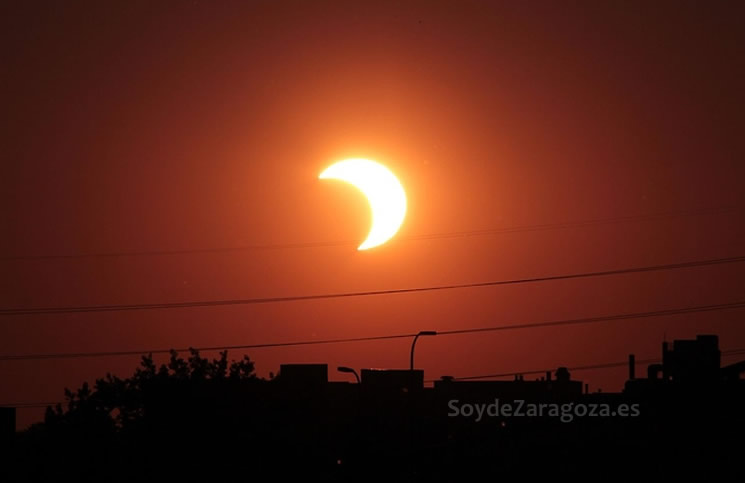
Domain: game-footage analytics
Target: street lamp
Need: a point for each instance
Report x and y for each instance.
(413, 344)
(349, 370)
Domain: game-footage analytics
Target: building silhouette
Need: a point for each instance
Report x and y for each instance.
(7, 424)
(392, 426)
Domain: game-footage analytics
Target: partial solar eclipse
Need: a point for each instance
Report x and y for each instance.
(383, 191)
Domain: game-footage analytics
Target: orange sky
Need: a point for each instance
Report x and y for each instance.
(180, 125)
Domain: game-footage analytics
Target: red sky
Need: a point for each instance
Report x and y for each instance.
(140, 126)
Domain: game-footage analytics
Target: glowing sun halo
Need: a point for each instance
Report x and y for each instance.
(383, 191)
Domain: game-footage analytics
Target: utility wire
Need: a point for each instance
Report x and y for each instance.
(76, 355)
(426, 236)
(30, 405)
(605, 318)
(533, 325)
(575, 224)
(605, 365)
(294, 298)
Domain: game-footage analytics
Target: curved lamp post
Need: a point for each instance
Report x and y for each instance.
(413, 344)
(349, 370)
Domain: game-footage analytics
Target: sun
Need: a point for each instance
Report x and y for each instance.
(383, 191)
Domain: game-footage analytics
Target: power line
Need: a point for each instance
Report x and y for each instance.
(607, 365)
(426, 236)
(533, 325)
(606, 318)
(75, 355)
(295, 298)
(30, 405)
(577, 224)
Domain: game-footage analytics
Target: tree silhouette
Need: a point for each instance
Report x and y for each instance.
(116, 404)
(154, 421)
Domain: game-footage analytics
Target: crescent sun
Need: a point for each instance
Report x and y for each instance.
(383, 191)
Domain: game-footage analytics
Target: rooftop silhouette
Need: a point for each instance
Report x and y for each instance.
(196, 416)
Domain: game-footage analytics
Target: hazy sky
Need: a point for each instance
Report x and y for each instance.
(156, 126)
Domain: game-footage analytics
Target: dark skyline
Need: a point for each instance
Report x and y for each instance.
(194, 416)
(533, 140)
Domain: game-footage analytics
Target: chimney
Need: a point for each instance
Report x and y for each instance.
(632, 367)
(548, 376)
